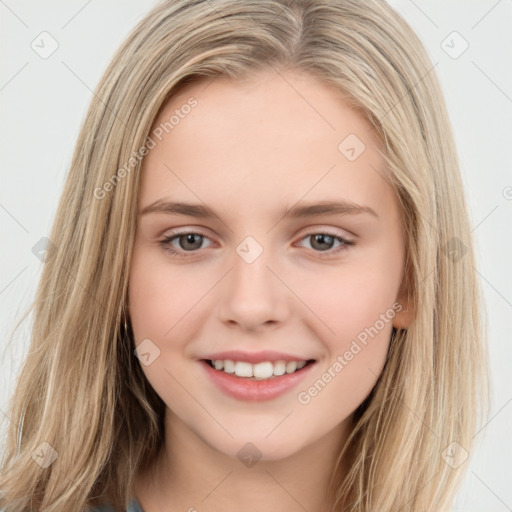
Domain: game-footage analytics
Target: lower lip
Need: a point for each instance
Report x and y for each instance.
(248, 390)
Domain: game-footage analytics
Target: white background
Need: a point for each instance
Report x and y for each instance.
(43, 103)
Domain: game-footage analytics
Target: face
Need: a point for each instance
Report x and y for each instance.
(266, 274)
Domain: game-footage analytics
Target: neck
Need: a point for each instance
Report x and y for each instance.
(191, 475)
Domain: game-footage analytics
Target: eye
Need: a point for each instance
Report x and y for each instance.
(188, 241)
(324, 242)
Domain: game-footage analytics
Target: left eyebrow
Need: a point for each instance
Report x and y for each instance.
(328, 207)
(295, 212)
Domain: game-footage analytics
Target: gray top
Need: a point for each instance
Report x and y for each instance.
(132, 507)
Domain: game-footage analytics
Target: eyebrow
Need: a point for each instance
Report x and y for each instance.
(295, 212)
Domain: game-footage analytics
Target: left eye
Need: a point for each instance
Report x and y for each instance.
(325, 241)
(192, 241)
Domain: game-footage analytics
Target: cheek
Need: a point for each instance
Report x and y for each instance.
(355, 357)
(354, 308)
(161, 300)
(161, 297)
(350, 298)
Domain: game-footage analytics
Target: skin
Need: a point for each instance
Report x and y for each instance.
(249, 151)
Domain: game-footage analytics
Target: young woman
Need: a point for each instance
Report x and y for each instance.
(259, 292)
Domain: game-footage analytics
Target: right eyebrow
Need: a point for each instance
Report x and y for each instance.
(179, 208)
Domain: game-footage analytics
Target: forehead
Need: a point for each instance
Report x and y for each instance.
(292, 104)
(272, 135)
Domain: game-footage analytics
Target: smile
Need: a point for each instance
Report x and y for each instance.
(258, 382)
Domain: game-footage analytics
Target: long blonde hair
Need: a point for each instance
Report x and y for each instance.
(82, 396)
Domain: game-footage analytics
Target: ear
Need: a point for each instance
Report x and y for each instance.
(404, 317)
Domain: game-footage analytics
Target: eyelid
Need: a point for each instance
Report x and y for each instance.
(331, 231)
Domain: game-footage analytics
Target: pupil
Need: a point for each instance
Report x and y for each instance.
(322, 239)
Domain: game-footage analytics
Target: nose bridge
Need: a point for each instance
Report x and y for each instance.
(251, 274)
(253, 295)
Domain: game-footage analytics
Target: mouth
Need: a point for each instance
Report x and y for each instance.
(257, 382)
(265, 370)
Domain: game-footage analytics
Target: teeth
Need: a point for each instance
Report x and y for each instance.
(263, 370)
(279, 368)
(243, 369)
(259, 371)
(291, 366)
(229, 366)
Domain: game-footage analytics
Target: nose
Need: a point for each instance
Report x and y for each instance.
(253, 296)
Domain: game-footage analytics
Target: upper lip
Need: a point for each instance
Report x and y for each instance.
(254, 357)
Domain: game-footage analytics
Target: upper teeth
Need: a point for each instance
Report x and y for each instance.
(259, 371)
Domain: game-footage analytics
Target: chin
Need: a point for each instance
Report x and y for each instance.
(253, 448)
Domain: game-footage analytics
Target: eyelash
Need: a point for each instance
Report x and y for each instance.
(165, 243)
